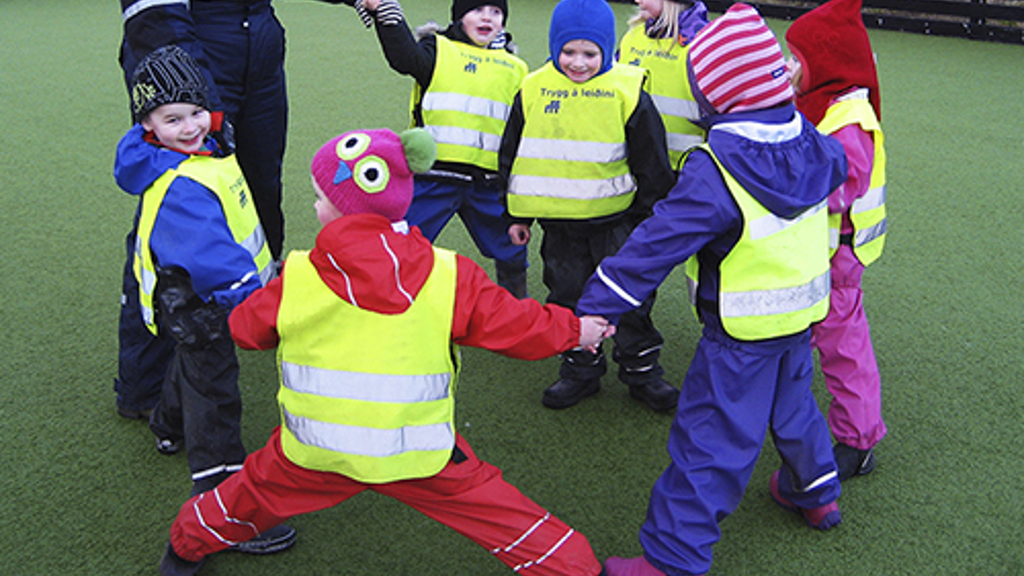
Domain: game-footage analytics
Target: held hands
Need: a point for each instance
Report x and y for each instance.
(594, 329)
(519, 234)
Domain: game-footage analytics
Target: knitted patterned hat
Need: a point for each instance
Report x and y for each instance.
(735, 64)
(460, 7)
(167, 75)
(371, 171)
(591, 20)
(836, 55)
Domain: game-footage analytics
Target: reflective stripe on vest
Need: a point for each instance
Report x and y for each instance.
(224, 179)
(572, 158)
(867, 213)
(374, 400)
(466, 106)
(775, 281)
(669, 86)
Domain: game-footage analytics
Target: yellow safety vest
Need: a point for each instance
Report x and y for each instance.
(775, 281)
(224, 179)
(572, 158)
(364, 394)
(466, 106)
(867, 213)
(668, 83)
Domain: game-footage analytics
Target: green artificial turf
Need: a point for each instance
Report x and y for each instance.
(84, 492)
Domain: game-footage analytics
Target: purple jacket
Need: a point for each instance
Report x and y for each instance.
(776, 155)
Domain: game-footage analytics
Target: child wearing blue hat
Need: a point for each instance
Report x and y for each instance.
(585, 155)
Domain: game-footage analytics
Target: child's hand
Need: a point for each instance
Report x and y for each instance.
(519, 234)
(370, 5)
(594, 329)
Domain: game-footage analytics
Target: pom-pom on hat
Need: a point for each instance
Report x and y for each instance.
(735, 64)
(167, 75)
(836, 56)
(371, 171)
(460, 7)
(591, 20)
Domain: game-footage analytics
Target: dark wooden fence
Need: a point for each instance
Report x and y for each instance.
(994, 20)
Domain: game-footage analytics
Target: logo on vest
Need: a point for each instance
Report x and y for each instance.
(553, 107)
(470, 67)
(238, 187)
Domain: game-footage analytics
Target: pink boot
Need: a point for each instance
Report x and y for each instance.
(638, 566)
(822, 517)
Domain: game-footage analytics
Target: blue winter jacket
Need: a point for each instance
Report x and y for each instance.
(190, 231)
(775, 154)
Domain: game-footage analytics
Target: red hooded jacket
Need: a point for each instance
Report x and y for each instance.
(375, 256)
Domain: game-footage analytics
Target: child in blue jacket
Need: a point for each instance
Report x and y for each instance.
(199, 251)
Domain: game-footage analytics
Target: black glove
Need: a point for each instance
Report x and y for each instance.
(192, 322)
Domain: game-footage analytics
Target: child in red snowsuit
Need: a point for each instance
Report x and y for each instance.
(367, 326)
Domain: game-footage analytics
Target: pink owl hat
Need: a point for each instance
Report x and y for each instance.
(371, 171)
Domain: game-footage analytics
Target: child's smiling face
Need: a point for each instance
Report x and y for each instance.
(181, 126)
(580, 60)
(483, 24)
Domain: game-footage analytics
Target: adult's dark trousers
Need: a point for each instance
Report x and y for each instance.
(201, 403)
(571, 252)
(245, 46)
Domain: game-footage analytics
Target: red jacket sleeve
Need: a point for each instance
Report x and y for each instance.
(254, 322)
(488, 316)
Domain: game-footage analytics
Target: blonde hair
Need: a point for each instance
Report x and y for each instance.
(667, 24)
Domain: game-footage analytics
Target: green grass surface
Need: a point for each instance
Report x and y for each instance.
(84, 492)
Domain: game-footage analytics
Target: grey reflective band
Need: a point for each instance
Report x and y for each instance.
(551, 187)
(760, 132)
(393, 388)
(141, 5)
(147, 283)
(572, 150)
(676, 107)
(874, 198)
(469, 104)
(771, 224)
(683, 142)
(779, 301)
(691, 288)
(465, 137)
(833, 238)
(254, 243)
(868, 234)
(363, 441)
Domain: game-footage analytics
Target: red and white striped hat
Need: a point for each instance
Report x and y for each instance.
(737, 65)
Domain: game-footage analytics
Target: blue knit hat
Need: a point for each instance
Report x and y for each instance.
(591, 20)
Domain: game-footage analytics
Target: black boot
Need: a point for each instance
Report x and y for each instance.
(173, 565)
(276, 539)
(659, 395)
(566, 392)
(853, 462)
